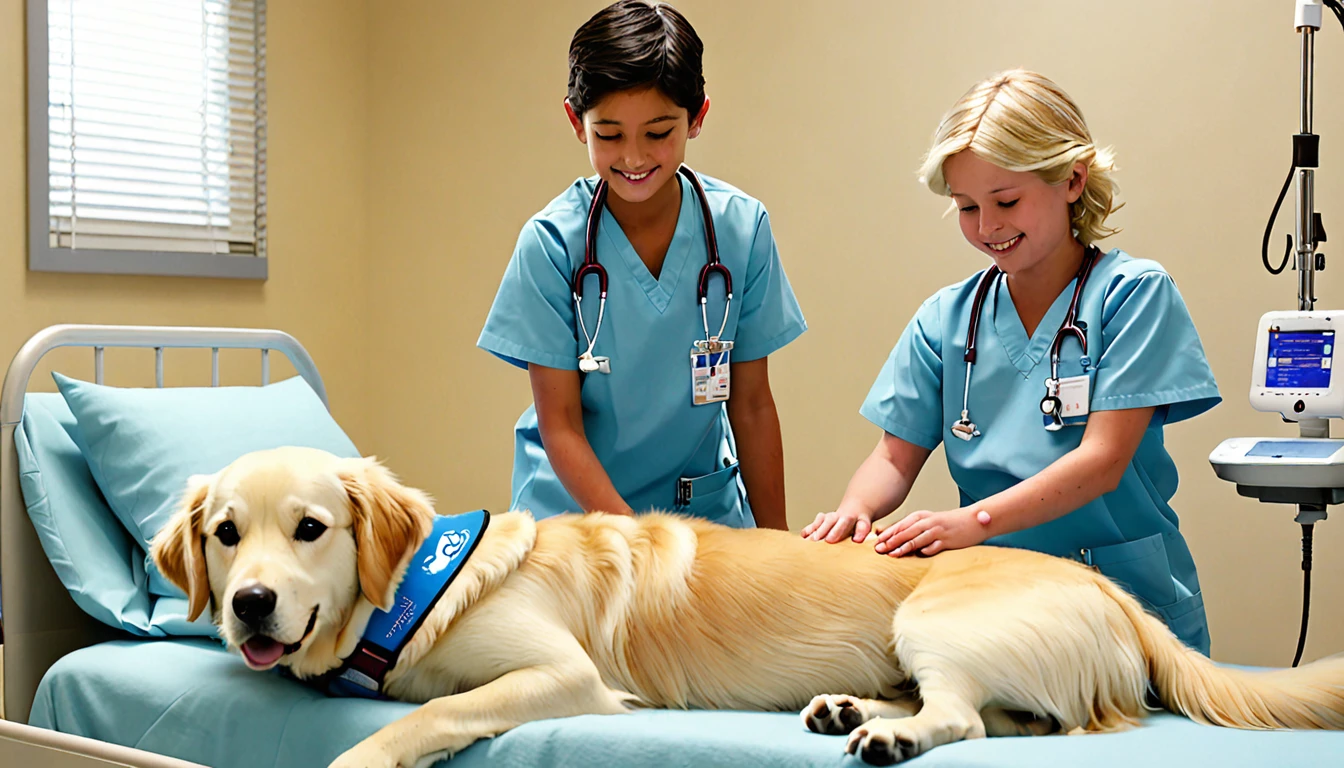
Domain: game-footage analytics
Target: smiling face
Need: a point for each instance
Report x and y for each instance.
(1014, 217)
(267, 534)
(636, 140)
(289, 544)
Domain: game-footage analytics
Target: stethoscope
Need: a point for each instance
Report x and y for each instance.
(1050, 404)
(587, 362)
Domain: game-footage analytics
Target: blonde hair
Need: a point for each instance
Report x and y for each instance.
(1022, 121)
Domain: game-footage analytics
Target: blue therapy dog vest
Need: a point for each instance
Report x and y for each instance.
(431, 569)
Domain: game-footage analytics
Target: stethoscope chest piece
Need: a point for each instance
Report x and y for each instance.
(1051, 405)
(589, 363)
(964, 428)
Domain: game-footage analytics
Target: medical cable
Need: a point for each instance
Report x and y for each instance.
(1264, 247)
(1306, 583)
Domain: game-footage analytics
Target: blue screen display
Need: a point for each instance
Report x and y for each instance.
(1300, 359)
(1295, 449)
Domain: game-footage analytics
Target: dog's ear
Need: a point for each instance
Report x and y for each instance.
(390, 522)
(178, 548)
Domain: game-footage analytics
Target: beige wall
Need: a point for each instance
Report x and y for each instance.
(822, 110)
(317, 202)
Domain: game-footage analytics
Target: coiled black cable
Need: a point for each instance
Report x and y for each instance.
(1264, 246)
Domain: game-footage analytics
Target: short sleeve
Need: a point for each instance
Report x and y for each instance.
(906, 400)
(770, 316)
(532, 317)
(1151, 354)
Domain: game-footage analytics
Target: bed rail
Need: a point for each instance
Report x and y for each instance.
(21, 745)
(41, 623)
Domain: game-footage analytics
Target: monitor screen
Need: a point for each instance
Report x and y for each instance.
(1294, 449)
(1299, 359)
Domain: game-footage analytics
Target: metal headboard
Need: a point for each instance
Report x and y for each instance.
(41, 623)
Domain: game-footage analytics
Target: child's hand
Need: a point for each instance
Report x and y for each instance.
(933, 532)
(834, 526)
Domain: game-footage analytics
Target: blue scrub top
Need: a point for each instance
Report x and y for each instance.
(1143, 351)
(639, 419)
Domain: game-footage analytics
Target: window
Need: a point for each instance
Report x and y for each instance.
(147, 137)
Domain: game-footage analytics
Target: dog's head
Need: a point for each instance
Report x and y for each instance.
(291, 544)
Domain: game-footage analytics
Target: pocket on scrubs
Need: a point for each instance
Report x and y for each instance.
(1188, 621)
(1141, 568)
(717, 497)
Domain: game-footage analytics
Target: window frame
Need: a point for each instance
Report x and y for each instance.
(42, 257)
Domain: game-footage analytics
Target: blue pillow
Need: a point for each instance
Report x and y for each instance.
(91, 551)
(143, 444)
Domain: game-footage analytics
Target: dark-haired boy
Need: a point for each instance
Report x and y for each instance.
(650, 387)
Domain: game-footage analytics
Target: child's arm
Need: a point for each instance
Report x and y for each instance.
(1076, 478)
(760, 448)
(560, 419)
(879, 486)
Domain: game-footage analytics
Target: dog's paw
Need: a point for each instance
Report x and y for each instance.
(833, 715)
(878, 742)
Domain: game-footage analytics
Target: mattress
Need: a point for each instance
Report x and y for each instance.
(190, 699)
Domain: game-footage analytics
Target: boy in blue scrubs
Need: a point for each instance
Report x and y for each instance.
(1033, 193)
(625, 418)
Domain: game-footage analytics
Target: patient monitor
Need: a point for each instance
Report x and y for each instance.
(1293, 375)
(1294, 371)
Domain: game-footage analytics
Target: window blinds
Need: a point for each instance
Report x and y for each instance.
(156, 114)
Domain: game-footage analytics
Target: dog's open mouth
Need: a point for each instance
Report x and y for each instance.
(262, 651)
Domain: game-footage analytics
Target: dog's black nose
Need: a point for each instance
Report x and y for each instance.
(253, 604)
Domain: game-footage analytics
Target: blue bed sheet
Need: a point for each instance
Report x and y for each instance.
(189, 699)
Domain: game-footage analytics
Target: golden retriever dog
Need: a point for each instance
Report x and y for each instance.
(597, 614)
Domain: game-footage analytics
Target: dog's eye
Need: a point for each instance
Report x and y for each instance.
(227, 533)
(309, 529)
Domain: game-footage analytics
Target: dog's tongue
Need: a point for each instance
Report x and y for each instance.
(262, 651)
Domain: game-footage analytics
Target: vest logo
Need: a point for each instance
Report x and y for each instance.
(450, 545)
(406, 614)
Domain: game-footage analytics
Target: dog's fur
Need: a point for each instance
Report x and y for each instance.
(581, 614)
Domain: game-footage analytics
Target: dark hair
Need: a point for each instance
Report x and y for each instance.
(636, 44)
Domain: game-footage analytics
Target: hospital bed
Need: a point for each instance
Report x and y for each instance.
(94, 694)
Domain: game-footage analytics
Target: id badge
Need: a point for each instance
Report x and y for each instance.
(1075, 396)
(710, 375)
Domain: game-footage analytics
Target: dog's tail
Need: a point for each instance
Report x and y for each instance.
(1189, 683)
